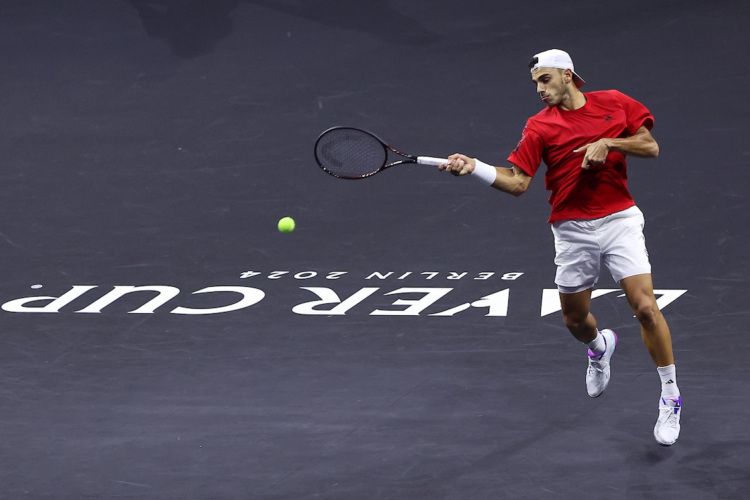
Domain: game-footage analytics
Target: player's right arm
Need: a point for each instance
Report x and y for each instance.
(511, 180)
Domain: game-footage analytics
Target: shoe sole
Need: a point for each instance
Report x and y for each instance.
(666, 445)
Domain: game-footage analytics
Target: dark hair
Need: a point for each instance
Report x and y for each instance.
(533, 62)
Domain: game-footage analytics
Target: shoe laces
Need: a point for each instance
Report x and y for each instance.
(669, 415)
(596, 361)
(595, 366)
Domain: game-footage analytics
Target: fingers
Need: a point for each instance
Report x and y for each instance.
(585, 162)
(595, 154)
(593, 159)
(449, 166)
(458, 164)
(590, 161)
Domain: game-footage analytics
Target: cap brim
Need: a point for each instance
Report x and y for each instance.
(580, 82)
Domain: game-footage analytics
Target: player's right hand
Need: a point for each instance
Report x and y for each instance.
(458, 164)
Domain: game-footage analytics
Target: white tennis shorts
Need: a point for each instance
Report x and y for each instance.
(582, 245)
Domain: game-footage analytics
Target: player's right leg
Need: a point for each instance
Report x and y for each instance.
(582, 324)
(577, 255)
(576, 312)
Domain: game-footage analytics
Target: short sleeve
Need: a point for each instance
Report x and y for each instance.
(637, 114)
(527, 155)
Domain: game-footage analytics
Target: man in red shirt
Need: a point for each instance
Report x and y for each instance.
(584, 138)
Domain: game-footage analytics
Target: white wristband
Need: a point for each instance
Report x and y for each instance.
(484, 173)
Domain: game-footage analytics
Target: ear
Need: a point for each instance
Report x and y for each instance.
(567, 76)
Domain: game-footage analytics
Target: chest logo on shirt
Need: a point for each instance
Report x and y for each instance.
(608, 117)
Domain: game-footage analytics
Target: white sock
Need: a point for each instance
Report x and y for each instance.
(598, 345)
(668, 377)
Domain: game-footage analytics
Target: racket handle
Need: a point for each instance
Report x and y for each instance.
(429, 160)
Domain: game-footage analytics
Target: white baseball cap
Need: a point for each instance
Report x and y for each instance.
(556, 58)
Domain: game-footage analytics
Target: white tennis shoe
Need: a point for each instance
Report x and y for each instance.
(667, 428)
(597, 374)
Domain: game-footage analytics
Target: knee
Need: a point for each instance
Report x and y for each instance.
(647, 312)
(574, 320)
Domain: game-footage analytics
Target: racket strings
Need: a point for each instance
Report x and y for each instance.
(350, 153)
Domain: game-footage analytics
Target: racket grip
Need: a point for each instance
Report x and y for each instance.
(429, 160)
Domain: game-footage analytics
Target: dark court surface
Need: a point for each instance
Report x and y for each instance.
(155, 143)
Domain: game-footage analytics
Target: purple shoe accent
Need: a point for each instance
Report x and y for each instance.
(596, 356)
(677, 403)
(617, 339)
(593, 355)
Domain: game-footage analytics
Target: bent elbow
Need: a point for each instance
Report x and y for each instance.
(655, 150)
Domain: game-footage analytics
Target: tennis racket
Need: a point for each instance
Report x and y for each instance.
(352, 153)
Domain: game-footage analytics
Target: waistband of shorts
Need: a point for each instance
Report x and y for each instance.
(628, 212)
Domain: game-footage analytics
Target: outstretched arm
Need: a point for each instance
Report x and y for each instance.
(511, 180)
(642, 144)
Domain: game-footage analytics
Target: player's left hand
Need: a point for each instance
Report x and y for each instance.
(595, 153)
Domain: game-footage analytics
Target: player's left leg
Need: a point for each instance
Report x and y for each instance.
(655, 333)
(624, 253)
(657, 337)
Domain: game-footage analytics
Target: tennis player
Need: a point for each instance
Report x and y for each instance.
(584, 139)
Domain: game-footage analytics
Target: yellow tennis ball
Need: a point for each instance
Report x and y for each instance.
(286, 224)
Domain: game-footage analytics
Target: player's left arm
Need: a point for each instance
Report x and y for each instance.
(642, 144)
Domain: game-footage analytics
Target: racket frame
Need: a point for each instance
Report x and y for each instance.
(408, 159)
